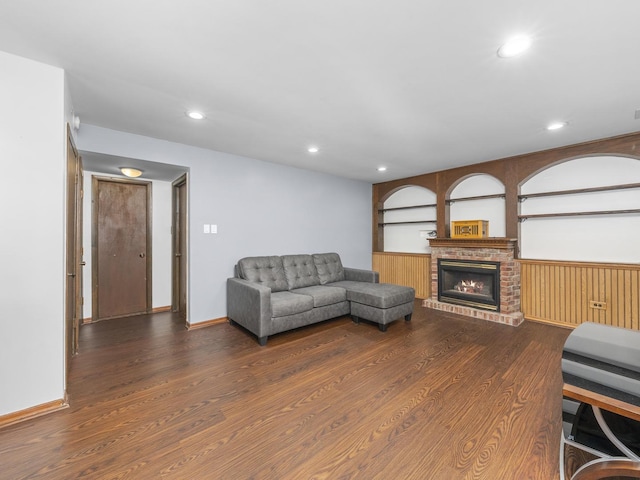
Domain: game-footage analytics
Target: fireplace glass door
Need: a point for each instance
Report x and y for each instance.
(470, 283)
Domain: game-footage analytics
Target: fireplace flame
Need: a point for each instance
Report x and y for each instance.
(469, 286)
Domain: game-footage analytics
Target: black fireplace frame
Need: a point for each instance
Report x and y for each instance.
(479, 267)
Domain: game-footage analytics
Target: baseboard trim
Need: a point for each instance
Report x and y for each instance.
(550, 322)
(167, 308)
(33, 412)
(207, 323)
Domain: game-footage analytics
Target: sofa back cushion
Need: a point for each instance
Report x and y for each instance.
(329, 267)
(267, 271)
(300, 271)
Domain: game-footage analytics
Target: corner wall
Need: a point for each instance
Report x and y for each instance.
(32, 206)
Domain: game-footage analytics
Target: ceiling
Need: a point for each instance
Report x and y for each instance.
(414, 85)
(111, 165)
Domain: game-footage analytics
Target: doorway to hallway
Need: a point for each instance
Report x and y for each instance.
(121, 248)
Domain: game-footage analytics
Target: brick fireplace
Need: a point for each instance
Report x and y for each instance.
(501, 250)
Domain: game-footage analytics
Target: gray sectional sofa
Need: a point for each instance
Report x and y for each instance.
(273, 294)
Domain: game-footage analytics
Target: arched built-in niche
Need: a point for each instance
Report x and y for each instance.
(408, 219)
(584, 209)
(479, 197)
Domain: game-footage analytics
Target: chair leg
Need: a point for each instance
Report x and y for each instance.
(382, 327)
(263, 341)
(407, 318)
(355, 319)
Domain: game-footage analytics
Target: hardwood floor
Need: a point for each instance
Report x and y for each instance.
(440, 397)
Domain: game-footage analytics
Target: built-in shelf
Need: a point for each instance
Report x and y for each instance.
(406, 223)
(579, 191)
(412, 207)
(478, 197)
(522, 218)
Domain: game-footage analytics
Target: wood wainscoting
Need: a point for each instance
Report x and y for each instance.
(409, 269)
(564, 293)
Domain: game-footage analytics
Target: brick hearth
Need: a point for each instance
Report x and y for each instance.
(493, 249)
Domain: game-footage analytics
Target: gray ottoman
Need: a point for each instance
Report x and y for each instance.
(381, 303)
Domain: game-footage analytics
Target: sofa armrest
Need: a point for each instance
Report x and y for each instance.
(249, 304)
(358, 275)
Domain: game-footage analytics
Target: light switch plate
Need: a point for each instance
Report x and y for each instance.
(206, 228)
(214, 228)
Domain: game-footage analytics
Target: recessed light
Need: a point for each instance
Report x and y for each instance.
(556, 125)
(514, 46)
(195, 115)
(131, 172)
(382, 169)
(313, 149)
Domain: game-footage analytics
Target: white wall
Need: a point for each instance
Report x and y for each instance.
(411, 238)
(597, 238)
(161, 242)
(32, 206)
(260, 208)
(490, 209)
(161, 231)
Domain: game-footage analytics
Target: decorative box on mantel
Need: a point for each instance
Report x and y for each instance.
(470, 229)
(505, 307)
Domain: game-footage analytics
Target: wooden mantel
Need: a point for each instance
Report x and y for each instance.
(489, 242)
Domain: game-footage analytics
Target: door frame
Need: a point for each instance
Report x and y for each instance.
(179, 283)
(74, 250)
(95, 180)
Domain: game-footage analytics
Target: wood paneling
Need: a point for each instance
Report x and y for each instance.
(561, 292)
(512, 172)
(409, 269)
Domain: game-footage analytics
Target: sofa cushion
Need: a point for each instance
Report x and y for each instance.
(323, 295)
(287, 303)
(329, 267)
(379, 295)
(267, 271)
(300, 271)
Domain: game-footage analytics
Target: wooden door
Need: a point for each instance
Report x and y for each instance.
(179, 229)
(73, 287)
(121, 247)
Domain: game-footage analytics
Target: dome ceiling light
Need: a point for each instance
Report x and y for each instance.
(556, 125)
(195, 115)
(130, 172)
(514, 46)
